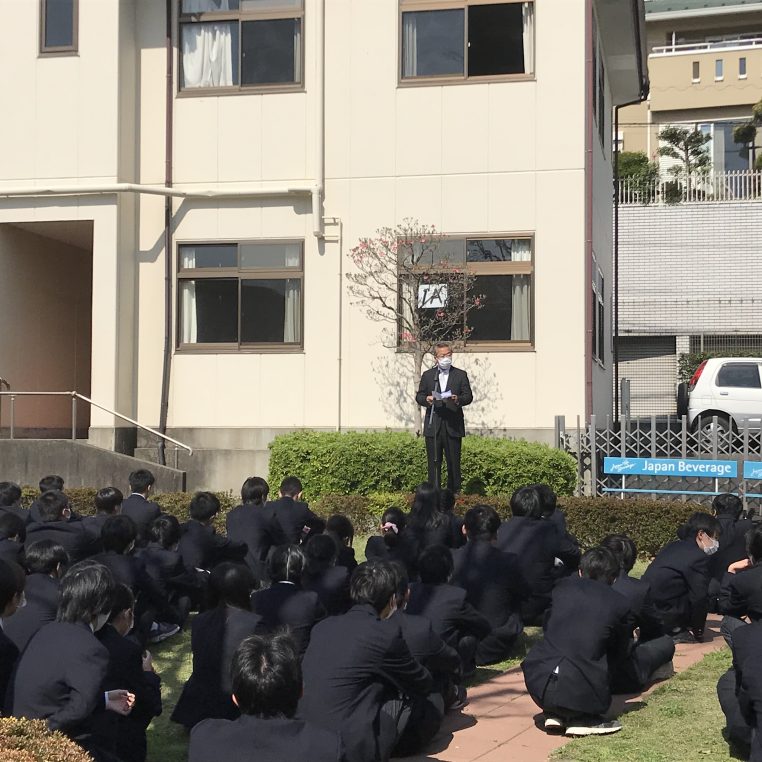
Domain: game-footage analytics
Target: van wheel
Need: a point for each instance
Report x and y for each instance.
(682, 399)
(705, 425)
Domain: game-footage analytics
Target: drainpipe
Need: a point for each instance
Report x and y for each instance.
(167, 358)
(588, 255)
(319, 190)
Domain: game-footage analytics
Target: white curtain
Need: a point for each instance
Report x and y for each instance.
(292, 322)
(207, 47)
(409, 45)
(188, 317)
(521, 251)
(528, 37)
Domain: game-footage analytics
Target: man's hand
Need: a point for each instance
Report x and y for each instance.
(454, 398)
(430, 399)
(147, 662)
(120, 701)
(738, 565)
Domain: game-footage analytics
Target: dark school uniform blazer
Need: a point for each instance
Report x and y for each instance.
(297, 522)
(202, 548)
(41, 593)
(332, 588)
(732, 545)
(9, 654)
(741, 593)
(256, 526)
(263, 739)
(638, 595)
(447, 414)
(142, 511)
(70, 535)
(588, 630)
(747, 643)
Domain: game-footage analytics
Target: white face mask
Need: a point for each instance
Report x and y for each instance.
(444, 363)
(100, 620)
(713, 547)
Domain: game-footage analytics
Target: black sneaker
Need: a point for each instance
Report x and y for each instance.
(161, 631)
(461, 698)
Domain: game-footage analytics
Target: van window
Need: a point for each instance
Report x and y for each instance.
(739, 374)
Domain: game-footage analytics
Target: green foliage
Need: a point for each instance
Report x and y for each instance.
(650, 523)
(361, 463)
(640, 173)
(673, 192)
(686, 146)
(758, 163)
(745, 133)
(23, 740)
(632, 163)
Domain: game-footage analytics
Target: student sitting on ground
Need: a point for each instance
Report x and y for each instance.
(447, 506)
(427, 525)
(48, 484)
(587, 633)
(552, 514)
(137, 505)
(452, 617)
(266, 684)
(12, 580)
(493, 583)
(360, 678)
(679, 578)
(341, 529)
(108, 502)
(392, 543)
(324, 576)
(200, 546)
(651, 654)
(297, 522)
(741, 591)
(54, 524)
(131, 668)
(46, 562)
(285, 603)
(728, 510)
(60, 675)
(215, 635)
(12, 536)
(10, 501)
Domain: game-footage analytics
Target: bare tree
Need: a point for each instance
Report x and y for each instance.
(408, 278)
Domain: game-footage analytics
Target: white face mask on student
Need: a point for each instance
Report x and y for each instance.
(444, 363)
(712, 548)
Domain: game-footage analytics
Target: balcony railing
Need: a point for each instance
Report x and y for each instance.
(705, 187)
(704, 47)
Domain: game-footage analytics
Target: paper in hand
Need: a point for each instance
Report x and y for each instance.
(442, 395)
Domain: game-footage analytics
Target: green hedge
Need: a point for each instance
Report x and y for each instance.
(361, 463)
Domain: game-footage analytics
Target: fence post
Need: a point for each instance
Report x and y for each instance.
(13, 414)
(653, 445)
(560, 430)
(593, 456)
(73, 416)
(745, 455)
(684, 444)
(622, 448)
(580, 470)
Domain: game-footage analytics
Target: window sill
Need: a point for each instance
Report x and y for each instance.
(492, 347)
(215, 92)
(193, 349)
(441, 81)
(63, 53)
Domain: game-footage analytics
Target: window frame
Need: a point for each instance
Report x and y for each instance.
(695, 72)
(743, 71)
(411, 6)
(526, 267)
(598, 286)
(719, 69)
(240, 16)
(240, 274)
(59, 50)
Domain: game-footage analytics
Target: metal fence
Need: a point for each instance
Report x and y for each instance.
(667, 437)
(740, 185)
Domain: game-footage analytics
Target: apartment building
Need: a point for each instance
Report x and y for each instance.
(182, 183)
(689, 274)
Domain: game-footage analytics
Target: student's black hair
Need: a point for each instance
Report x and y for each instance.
(290, 486)
(108, 499)
(374, 583)
(52, 482)
(140, 480)
(286, 564)
(599, 564)
(321, 552)
(51, 505)
(398, 519)
(342, 527)
(44, 556)
(231, 585)
(12, 580)
(204, 506)
(86, 592)
(702, 522)
(547, 498)
(12, 525)
(481, 522)
(165, 530)
(10, 494)
(526, 502)
(728, 505)
(754, 543)
(435, 565)
(446, 500)
(122, 600)
(267, 676)
(117, 533)
(624, 549)
(425, 513)
(255, 490)
(402, 581)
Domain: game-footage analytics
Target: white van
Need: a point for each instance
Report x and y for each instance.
(727, 387)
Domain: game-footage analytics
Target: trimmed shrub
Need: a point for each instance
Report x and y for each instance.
(362, 463)
(30, 741)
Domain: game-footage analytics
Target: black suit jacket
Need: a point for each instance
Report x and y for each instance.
(638, 595)
(450, 614)
(59, 678)
(94, 525)
(142, 512)
(293, 516)
(131, 571)
(13, 551)
(403, 550)
(332, 588)
(447, 415)
(9, 654)
(587, 632)
(259, 739)
(202, 548)
(256, 526)
(70, 535)
(41, 594)
(747, 644)
(441, 659)
(732, 545)
(354, 663)
(215, 635)
(741, 593)
(16, 510)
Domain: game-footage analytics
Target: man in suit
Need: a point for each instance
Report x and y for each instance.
(587, 632)
(296, 521)
(360, 678)
(55, 524)
(444, 427)
(267, 684)
(493, 583)
(137, 505)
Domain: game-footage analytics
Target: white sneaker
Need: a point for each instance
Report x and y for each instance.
(593, 727)
(553, 724)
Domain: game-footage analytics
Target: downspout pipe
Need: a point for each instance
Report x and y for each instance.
(319, 189)
(588, 254)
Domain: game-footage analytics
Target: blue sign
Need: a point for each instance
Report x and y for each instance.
(752, 469)
(727, 469)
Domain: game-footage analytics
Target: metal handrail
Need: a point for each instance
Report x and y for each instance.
(706, 46)
(74, 397)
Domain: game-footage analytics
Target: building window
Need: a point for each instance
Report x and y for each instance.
(719, 69)
(58, 26)
(466, 39)
(696, 75)
(742, 68)
(599, 316)
(241, 44)
(602, 103)
(244, 295)
(503, 276)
